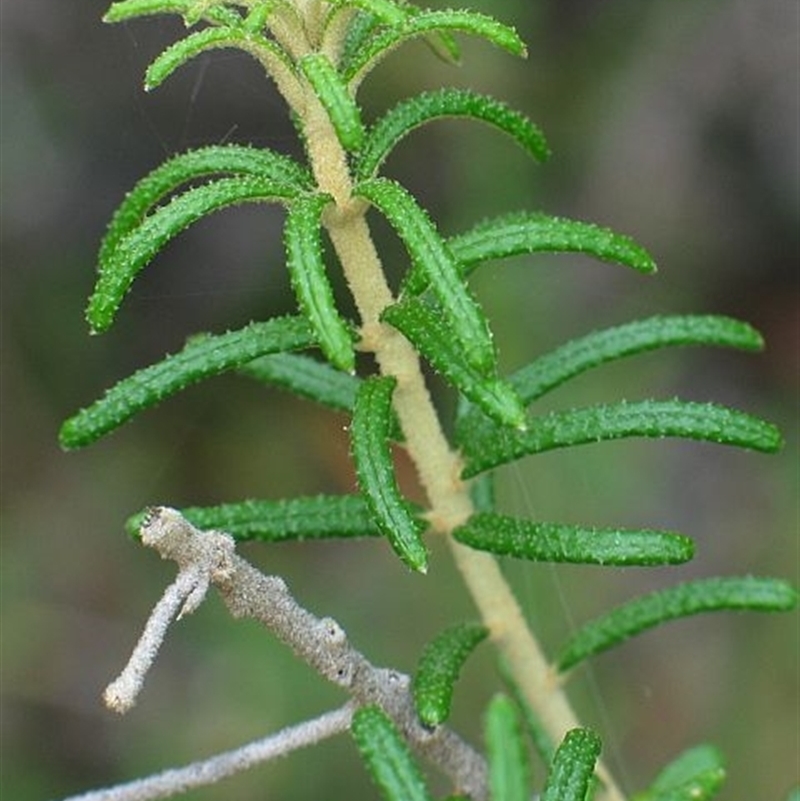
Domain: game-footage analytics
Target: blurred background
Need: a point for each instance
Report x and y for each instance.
(673, 122)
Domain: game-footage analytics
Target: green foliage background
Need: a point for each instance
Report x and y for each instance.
(675, 123)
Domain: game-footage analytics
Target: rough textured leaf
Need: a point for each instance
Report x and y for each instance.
(302, 235)
(136, 249)
(529, 232)
(573, 767)
(336, 99)
(434, 339)
(387, 756)
(492, 445)
(509, 767)
(439, 667)
(409, 114)
(191, 166)
(559, 542)
(696, 775)
(690, 598)
(430, 254)
(316, 517)
(370, 432)
(376, 47)
(203, 356)
(128, 9)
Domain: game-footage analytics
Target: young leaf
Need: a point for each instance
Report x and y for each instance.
(387, 756)
(425, 22)
(690, 598)
(336, 99)
(491, 445)
(370, 431)
(529, 232)
(307, 377)
(128, 9)
(310, 281)
(573, 767)
(191, 166)
(696, 775)
(317, 517)
(509, 768)
(439, 667)
(384, 12)
(433, 338)
(428, 106)
(139, 246)
(559, 542)
(430, 255)
(202, 357)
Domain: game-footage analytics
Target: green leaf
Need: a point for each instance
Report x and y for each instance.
(489, 445)
(302, 236)
(370, 431)
(430, 254)
(690, 598)
(387, 756)
(307, 377)
(428, 106)
(509, 768)
(336, 99)
(202, 357)
(433, 338)
(316, 517)
(425, 22)
(794, 794)
(143, 242)
(696, 775)
(573, 766)
(559, 542)
(529, 232)
(378, 12)
(439, 667)
(191, 166)
(128, 9)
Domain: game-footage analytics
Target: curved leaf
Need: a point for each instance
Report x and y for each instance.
(690, 598)
(191, 166)
(530, 232)
(573, 767)
(425, 22)
(439, 667)
(430, 255)
(428, 106)
(490, 445)
(139, 246)
(336, 99)
(387, 756)
(302, 235)
(559, 542)
(370, 432)
(203, 356)
(434, 339)
(128, 9)
(696, 775)
(509, 768)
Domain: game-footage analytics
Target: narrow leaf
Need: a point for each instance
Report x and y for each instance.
(201, 358)
(429, 106)
(430, 255)
(316, 517)
(302, 236)
(191, 166)
(439, 667)
(509, 767)
(370, 432)
(433, 338)
(128, 9)
(573, 767)
(139, 246)
(559, 542)
(387, 756)
(492, 445)
(696, 775)
(690, 598)
(336, 99)
(528, 232)
(424, 23)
